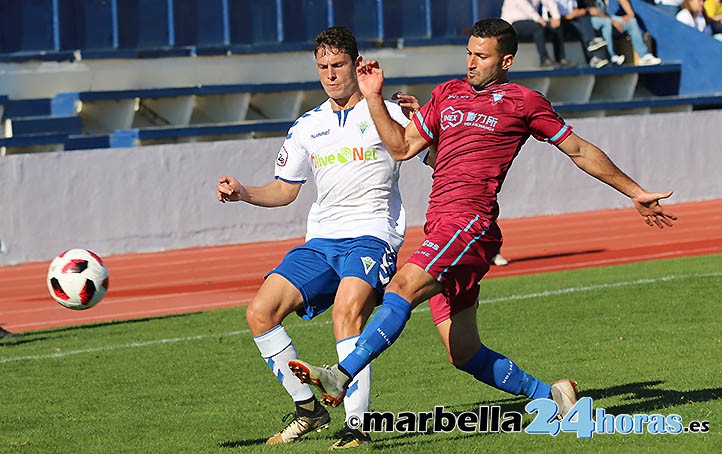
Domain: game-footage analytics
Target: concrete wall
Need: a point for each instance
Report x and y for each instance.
(163, 197)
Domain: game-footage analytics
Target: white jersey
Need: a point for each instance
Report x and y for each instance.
(356, 178)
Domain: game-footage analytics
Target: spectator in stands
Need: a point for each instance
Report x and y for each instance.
(668, 7)
(603, 22)
(578, 19)
(713, 8)
(525, 17)
(693, 14)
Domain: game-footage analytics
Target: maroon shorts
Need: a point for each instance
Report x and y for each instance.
(457, 252)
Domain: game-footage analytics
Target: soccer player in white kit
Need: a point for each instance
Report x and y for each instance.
(355, 229)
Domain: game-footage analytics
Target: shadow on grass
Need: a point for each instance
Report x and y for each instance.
(643, 397)
(647, 397)
(55, 333)
(554, 256)
(19, 339)
(242, 443)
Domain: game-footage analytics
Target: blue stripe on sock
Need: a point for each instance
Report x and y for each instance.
(352, 389)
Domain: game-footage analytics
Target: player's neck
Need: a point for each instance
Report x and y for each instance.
(502, 79)
(346, 103)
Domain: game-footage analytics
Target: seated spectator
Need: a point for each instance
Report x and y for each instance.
(578, 19)
(668, 7)
(525, 17)
(713, 8)
(627, 24)
(692, 13)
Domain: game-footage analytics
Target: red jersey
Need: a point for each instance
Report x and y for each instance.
(478, 134)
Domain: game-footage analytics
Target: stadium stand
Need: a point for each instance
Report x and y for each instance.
(80, 74)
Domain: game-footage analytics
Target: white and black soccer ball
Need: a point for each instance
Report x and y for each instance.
(77, 279)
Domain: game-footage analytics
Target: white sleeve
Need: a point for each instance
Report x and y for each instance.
(292, 161)
(397, 114)
(686, 18)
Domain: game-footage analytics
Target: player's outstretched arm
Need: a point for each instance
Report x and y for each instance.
(275, 194)
(401, 143)
(596, 163)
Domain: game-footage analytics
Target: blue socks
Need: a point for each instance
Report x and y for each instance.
(382, 330)
(486, 365)
(502, 373)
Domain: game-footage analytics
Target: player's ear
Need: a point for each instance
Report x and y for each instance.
(506, 61)
(358, 61)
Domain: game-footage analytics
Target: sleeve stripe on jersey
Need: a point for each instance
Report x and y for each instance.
(561, 132)
(426, 130)
(291, 181)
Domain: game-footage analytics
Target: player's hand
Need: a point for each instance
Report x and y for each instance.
(408, 103)
(229, 189)
(647, 203)
(370, 78)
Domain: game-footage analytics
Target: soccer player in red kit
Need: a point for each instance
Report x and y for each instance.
(478, 125)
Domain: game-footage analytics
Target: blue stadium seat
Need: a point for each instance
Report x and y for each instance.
(33, 126)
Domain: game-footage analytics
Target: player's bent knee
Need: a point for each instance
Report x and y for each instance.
(262, 317)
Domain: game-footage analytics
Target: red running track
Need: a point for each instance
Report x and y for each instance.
(189, 280)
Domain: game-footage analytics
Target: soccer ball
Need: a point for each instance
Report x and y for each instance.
(77, 279)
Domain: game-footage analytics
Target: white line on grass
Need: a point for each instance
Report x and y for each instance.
(587, 288)
(561, 291)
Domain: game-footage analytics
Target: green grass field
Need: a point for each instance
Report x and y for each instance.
(640, 339)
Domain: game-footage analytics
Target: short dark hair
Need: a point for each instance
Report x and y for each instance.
(500, 29)
(338, 37)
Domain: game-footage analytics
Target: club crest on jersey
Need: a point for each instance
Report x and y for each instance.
(368, 264)
(497, 96)
(451, 117)
(362, 127)
(282, 157)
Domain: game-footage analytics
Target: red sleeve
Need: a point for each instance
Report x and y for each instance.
(544, 123)
(427, 118)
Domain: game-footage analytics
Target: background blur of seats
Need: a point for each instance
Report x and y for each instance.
(81, 74)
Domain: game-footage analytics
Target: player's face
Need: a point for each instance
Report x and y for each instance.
(485, 65)
(337, 73)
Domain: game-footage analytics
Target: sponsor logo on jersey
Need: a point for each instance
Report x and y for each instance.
(368, 264)
(344, 155)
(451, 117)
(282, 157)
(362, 127)
(480, 121)
(321, 134)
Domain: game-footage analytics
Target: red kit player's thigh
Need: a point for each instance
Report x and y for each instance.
(457, 256)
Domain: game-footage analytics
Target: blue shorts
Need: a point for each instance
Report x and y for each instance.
(317, 267)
